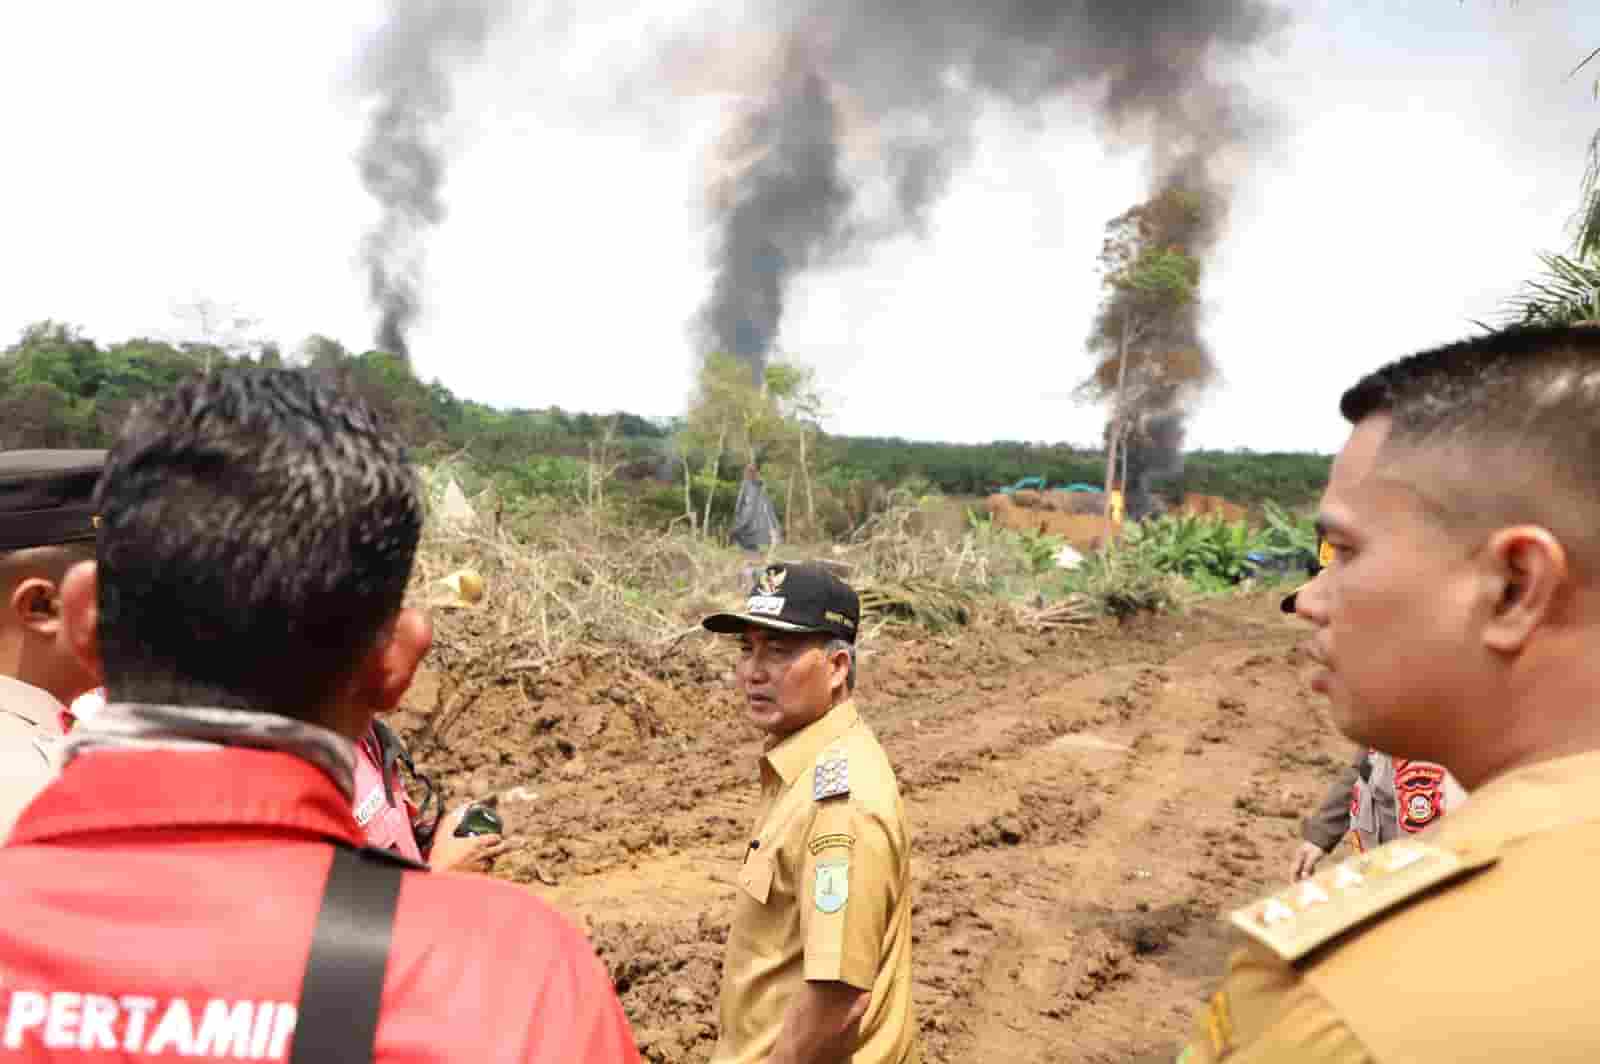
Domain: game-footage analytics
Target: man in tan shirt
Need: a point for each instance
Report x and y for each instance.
(46, 526)
(818, 962)
(1458, 621)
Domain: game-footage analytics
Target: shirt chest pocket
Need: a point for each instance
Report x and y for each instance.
(755, 877)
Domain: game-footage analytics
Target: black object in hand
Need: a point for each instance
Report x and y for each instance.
(479, 820)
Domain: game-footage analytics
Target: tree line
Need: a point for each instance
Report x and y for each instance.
(61, 388)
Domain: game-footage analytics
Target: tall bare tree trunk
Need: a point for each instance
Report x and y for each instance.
(714, 467)
(688, 497)
(811, 498)
(1123, 447)
(1116, 416)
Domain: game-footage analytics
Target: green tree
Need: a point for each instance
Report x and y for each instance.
(1145, 340)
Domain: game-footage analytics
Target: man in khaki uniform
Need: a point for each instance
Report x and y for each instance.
(46, 526)
(818, 963)
(1459, 621)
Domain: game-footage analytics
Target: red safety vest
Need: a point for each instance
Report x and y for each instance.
(161, 904)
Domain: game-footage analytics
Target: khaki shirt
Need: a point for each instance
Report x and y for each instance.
(30, 729)
(824, 894)
(1470, 942)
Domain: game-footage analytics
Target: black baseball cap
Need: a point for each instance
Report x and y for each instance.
(795, 598)
(47, 497)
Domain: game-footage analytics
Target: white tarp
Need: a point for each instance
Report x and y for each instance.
(455, 508)
(1067, 558)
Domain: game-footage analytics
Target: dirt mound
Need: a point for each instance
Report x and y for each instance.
(1085, 532)
(1077, 502)
(1213, 506)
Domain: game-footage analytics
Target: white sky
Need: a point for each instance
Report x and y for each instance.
(159, 152)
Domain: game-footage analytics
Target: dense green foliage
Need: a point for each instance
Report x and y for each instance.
(976, 469)
(1161, 561)
(59, 388)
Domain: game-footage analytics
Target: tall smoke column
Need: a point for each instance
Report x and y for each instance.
(919, 72)
(780, 211)
(406, 71)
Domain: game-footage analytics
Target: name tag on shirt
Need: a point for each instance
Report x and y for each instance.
(370, 805)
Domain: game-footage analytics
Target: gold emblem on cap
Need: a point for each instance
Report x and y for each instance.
(771, 581)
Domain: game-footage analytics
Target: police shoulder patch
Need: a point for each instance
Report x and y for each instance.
(1295, 921)
(832, 776)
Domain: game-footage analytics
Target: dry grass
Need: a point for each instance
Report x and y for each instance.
(561, 584)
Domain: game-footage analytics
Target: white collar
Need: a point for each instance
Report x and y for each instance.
(33, 704)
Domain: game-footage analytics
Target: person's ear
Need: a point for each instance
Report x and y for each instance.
(839, 670)
(1527, 572)
(393, 663)
(80, 616)
(35, 602)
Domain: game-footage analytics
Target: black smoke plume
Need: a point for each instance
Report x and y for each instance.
(406, 74)
(917, 74)
(782, 213)
(1155, 453)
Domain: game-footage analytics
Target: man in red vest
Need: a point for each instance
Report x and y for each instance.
(192, 884)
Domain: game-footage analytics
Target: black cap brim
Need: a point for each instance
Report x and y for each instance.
(734, 623)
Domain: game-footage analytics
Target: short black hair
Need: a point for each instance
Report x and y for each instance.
(258, 529)
(1488, 383)
(1521, 406)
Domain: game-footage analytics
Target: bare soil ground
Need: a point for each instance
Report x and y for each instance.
(1087, 807)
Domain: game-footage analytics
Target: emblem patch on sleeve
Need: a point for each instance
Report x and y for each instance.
(832, 779)
(833, 885)
(836, 840)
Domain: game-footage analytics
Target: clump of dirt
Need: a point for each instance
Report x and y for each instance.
(1146, 930)
(1044, 815)
(667, 977)
(1099, 960)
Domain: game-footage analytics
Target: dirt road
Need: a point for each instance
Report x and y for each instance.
(1086, 808)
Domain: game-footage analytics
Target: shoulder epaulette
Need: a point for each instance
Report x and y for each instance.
(1295, 921)
(832, 777)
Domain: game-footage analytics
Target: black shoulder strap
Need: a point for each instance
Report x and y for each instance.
(343, 986)
(392, 751)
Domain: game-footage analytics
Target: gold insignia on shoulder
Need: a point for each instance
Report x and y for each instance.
(1295, 921)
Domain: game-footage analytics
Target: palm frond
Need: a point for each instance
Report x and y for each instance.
(1587, 220)
(1568, 291)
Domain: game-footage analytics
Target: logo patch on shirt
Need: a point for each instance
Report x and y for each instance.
(833, 885)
